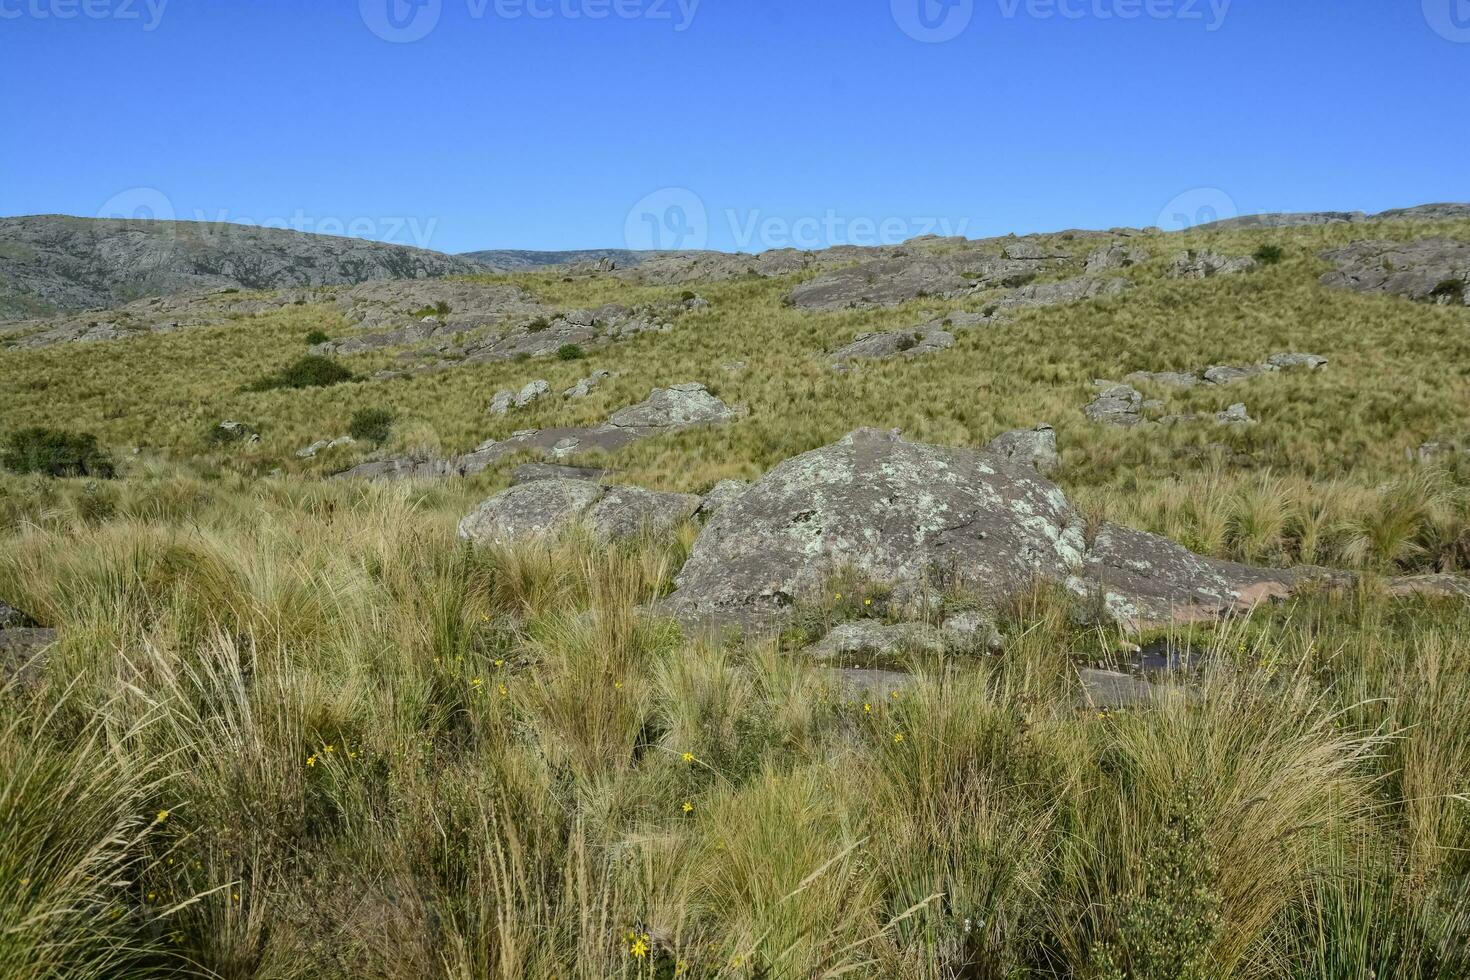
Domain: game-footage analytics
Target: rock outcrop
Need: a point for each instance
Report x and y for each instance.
(896, 343)
(1206, 265)
(665, 410)
(1036, 448)
(921, 517)
(586, 386)
(323, 445)
(1428, 270)
(505, 399)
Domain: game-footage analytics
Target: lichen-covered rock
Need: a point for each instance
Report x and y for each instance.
(891, 510)
(13, 618)
(897, 343)
(1225, 374)
(1170, 379)
(322, 445)
(1116, 404)
(871, 640)
(1285, 362)
(720, 496)
(892, 280)
(1206, 265)
(1430, 270)
(1235, 415)
(531, 472)
(922, 517)
(584, 387)
(231, 431)
(1116, 256)
(542, 507)
(1036, 448)
(676, 407)
(505, 399)
(1073, 290)
(1110, 689)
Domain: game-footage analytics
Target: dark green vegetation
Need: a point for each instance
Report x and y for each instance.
(311, 371)
(55, 452)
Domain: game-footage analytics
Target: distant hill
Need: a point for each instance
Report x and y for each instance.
(515, 260)
(56, 263)
(1422, 212)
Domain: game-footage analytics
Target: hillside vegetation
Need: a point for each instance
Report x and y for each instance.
(293, 726)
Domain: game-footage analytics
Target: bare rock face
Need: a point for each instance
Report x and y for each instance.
(897, 343)
(545, 507)
(532, 472)
(1073, 290)
(1036, 448)
(1116, 404)
(1169, 379)
(1205, 265)
(893, 280)
(868, 640)
(665, 410)
(722, 495)
(1430, 270)
(1115, 256)
(917, 516)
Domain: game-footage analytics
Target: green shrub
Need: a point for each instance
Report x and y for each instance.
(1269, 254)
(317, 337)
(1451, 291)
(370, 425)
(311, 371)
(570, 352)
(537, 325)
(56, 452)
(440, 308)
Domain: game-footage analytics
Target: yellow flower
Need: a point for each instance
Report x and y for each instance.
(331, 749)
(237, 896)
(161, 817)
(688, 756)
(352, 755)
(617, 685)
(310, 761)
(688, 807)
(500, 663)
(898, 737)
(504, 691)
(639, 949)
(476, 682)
(867, 602)
(680, 967)
(867, 708)
(839, 596)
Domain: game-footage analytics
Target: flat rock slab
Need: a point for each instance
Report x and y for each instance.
(1109, 689)
(1036, 448)
(1207, 265)
(896, 343)
(1430, 270)
(532, 472)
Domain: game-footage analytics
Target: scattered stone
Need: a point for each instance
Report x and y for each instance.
(1235, 415)
(584, 387)
(231, 431)
(1056, 293)
(898, 343)
(1223, 374)
(1036, 448)
(322, 445)
(898, 512)
(542, 507)
(1430, 270)
(13, 618)
(973, 631)
(676, 407)
(1206, 265)
(532, 472)
(1116, 404)
(1109, 689)
(1284, 362)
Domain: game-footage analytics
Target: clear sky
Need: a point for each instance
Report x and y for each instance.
(549, 124)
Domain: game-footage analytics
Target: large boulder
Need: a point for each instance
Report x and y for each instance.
(1116, 404)
(678, 407)
(1430, 270)
(547, 507)
(923, 518)
(896, 343)
(1207, 265)
(1115, 256)
(1036, 448)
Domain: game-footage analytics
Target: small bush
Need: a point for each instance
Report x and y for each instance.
(371, 425)
(312, 371)
(56, 452)
(1269, 254)
(537, 325)
(1451, 291)
(317, 337)
(570, 352)
(440, 308)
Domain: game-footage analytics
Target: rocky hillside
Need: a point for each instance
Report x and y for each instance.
(55, 263)
(519, 260)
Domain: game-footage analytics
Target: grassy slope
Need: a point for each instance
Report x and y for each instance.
(505, 788)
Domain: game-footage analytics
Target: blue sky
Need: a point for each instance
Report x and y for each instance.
(727, 123)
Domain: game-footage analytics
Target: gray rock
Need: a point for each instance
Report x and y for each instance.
(870, 640)
(1427, 212)
(1205, 265)
(543, 507)
(1302, 219)
(1171, 379)
(1036, 448)
(1235, 415)
(532, 472)
(1284, 362)
(897, 343)
(624, 512)
(665, 410)
(13, 618)
(1110, 689)
(1032, 250)
(871, 685)
(22, 660)
(890, 281)
(972, 631)
(1073, 290)
(1224, 374)
(1116, 404)
(899, 512)
(322, 445)
(504, 400)
(231, 431)
(1430, 270)
(584, 387)
(720, 496)
(1113, 257)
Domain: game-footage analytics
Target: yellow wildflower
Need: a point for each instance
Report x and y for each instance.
(161, 817)
(867, 708)
(331, 749)
(688, 806)
(310, 761)
(898, 737)
(639, 948)
(688, 756)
